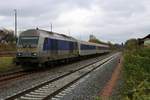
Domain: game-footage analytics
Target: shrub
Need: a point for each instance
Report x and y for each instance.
(136, 74)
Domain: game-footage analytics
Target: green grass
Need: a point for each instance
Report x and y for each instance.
(136, 74)
(6, 63)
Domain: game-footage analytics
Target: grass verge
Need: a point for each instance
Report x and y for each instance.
(6, 63)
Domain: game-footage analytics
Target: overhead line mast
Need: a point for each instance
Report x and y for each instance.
(15, 11)
(51, 27)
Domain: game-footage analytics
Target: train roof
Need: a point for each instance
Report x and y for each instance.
(45, 33)
(61, 35)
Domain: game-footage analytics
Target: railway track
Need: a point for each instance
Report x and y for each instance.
(5, 78)
(50, 88)
(11, 75)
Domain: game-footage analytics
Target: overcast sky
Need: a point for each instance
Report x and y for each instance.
(108, 20)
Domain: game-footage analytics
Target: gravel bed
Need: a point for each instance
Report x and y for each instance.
(36, 78)
(89, 88)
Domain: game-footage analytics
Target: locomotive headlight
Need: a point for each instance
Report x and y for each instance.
(34, 54)
(19, 54)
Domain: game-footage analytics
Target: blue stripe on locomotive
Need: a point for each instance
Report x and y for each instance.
(63, 45)
(87, 47)
(54, 44)
(47, 44)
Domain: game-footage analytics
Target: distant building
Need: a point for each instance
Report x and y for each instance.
(145, 41)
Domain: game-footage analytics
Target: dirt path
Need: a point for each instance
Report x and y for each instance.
(110, 85)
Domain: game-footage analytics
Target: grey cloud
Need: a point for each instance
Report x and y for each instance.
(125, 7)
(39, 7)
(109, 20)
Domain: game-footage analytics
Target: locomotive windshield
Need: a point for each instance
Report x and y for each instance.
(28, 41)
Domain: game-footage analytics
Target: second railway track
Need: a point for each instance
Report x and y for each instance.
(12, 75)
(52, 87)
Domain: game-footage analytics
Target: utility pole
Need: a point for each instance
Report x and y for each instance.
(51, 27)
(15, 11)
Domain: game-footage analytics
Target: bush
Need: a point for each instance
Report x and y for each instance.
(136, 74)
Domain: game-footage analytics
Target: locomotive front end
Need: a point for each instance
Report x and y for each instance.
(27, 47)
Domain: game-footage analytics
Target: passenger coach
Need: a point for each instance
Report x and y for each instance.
(88, 48)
